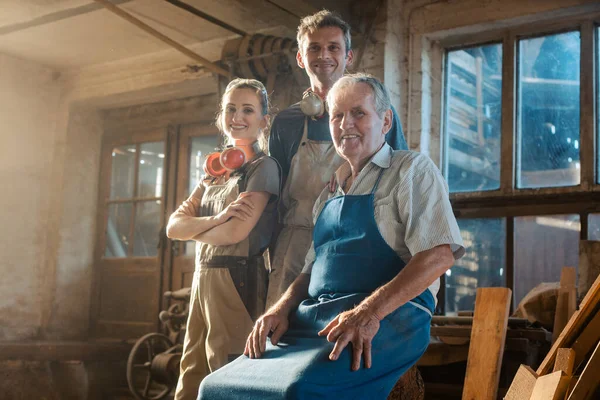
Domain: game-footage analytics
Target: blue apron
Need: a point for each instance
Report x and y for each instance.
(352, 260)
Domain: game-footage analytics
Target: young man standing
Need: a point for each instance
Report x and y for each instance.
(301, 142)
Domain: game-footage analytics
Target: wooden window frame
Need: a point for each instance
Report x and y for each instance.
(508, 201)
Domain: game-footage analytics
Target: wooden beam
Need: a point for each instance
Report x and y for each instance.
(566, 303)
(206, 63)
(55, 17)
(588, 381)
(565, 360)
(522, 384)
(206, 17)
(551, 387)
(577, 323)
(492, 307)
(298, 8)
(587, 340)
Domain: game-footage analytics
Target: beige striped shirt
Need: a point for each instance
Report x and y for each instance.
(412, 208)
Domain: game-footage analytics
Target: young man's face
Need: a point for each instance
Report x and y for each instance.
(323, 56)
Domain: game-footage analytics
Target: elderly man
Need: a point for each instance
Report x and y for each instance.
(301, 142)
(381, 241)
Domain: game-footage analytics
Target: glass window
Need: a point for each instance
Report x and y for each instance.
(118, 230)
(548, 111)
(594, 227)
(201, 146)
(147, 226)
(482, 266)
(125, 208)
(150, 180)
(123, 172)
(543, 245)
(472, 118)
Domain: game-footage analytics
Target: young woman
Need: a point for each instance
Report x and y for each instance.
(231, 216)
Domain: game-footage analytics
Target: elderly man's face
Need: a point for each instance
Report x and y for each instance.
(358, 130)
(323, 55)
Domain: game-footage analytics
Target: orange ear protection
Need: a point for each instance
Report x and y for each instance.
(233, 157)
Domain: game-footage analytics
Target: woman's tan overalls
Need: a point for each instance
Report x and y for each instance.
(219, 322)
(311, 169)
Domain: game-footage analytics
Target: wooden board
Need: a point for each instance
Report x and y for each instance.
(565, 359)
(487, 343)
(566, 303)
(551, 387)
(588, 381)
(589, 264)
(574, 327)
(586, 342)
(522, 385)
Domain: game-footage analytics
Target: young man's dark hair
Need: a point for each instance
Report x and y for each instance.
(323, 19)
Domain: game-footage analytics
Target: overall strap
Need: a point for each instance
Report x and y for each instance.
(305, 130)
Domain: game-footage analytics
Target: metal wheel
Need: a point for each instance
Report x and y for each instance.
(142, 379)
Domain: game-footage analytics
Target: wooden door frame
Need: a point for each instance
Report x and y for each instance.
(109, 142)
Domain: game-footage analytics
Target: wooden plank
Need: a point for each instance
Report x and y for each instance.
(488, 335)
(589, 264)
(466, 331)
(586, 342)
(551, 387)
(565, 359)
(566, 301)
(588, 381)
(522, 385)
(574, 327)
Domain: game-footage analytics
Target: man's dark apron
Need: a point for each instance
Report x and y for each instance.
(352, 260)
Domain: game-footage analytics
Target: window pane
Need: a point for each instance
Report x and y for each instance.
(201, 147)
(472, 119)
(147, 226)
(150, 180)
(543, 245)
(123, 170)
(117, 230)
(594, 227)
(548, 111)
(482, 266)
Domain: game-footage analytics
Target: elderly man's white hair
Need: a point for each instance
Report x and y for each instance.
(380, 93)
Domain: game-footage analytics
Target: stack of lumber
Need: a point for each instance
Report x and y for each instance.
(571, 369)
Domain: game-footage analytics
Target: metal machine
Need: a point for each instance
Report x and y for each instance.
(153, 363)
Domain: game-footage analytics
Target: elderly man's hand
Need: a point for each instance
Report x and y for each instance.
(358, 326)
(271, 321)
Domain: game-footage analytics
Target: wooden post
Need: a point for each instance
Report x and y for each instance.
(488, 336)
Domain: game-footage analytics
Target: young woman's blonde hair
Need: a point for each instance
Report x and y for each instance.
(261, 93)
